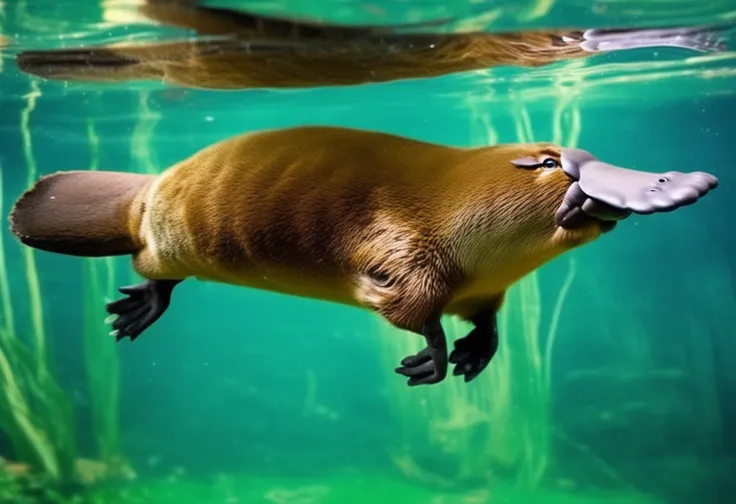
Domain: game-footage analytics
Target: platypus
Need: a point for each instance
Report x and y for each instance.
(409, 229)
(239, 50)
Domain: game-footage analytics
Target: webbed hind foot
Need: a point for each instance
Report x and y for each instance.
(145, 304)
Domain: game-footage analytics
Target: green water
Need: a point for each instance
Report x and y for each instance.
(613, 382)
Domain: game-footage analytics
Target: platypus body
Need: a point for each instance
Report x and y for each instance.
(409, 229)
(239, 50)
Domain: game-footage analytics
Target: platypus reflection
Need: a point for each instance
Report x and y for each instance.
(257, 51)
(409, 229)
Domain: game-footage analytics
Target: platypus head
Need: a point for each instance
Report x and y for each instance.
(522, 205)
(597, 194)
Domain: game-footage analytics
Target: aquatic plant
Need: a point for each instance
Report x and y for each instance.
(35, 412)
(11, 488)
(143, 156)
(100, 357)
(8, 320)
(101, 275)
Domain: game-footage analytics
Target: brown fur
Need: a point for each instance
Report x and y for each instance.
(357, 217)
(278, 53)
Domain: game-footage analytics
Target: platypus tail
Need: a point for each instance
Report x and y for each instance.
(80, 213)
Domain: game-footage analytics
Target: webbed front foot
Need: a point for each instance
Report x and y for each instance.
(145, 304)
(471, 355)
(474, 352)
(419, 368)
(430, 365)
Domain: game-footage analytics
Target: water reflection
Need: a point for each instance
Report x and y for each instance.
(238, 50)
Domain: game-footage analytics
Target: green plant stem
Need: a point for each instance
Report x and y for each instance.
(7, 307)
(141, 151)
(39, 416)
(101, 361)
(16, 406)
(552, 333)
(34, 291)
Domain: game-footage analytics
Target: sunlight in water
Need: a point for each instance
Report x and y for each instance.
(124, 12)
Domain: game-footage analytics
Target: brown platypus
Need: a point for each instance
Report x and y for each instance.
(409, 229)
(245, 50)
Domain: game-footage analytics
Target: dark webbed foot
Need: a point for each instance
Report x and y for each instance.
(474, 352)
(430, 365)
(145, 304)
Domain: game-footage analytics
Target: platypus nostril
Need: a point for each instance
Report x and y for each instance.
(654, 189)
(663, 180)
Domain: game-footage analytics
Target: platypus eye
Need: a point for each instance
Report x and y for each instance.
(549, 163)
(379, 277)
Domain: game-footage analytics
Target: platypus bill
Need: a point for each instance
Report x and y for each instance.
(409, 229)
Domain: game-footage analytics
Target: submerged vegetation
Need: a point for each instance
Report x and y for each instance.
(35, 412)
(37, 417)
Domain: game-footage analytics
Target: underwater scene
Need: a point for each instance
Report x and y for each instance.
(367, 251)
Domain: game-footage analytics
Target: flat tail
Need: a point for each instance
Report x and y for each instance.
(79, 213)
(93, 64)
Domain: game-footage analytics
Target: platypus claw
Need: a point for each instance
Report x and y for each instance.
(472, 354)
(145, 304)
(420, 368)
